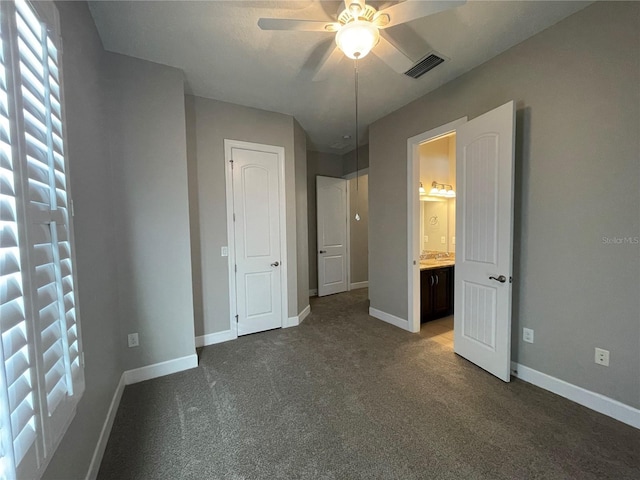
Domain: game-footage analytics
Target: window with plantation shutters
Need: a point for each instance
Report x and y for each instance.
(42, 378)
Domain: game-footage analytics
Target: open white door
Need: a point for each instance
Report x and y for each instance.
(257, 246)
(484, 229)
(332, 235)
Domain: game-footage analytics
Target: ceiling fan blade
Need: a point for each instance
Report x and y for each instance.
(328, 64)
(299, 25)
(412, 9)
(389, 54)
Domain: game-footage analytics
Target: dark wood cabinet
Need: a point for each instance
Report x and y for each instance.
(436, 293)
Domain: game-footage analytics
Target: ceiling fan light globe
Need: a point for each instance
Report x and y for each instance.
(357, 38)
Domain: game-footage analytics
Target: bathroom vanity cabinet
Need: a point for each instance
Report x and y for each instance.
(436, 293)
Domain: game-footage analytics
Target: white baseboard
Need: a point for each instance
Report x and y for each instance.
(313, 292)
(304, 313)
(297, 320)
(160, 369)
(392, 319)
(595, 401)
(98, 453)
(213, 338)
(356, 285)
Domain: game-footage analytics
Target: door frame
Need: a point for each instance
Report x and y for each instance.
(279, 151)
(413, 217)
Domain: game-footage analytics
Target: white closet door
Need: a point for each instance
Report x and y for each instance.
(332, 235)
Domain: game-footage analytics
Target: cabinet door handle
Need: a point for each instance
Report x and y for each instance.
(322, 251)
(432, 280)
(437, 280)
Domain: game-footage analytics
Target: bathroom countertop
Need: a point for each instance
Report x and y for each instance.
(433, 263)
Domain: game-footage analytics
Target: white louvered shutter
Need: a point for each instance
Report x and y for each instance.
(49, 231)
(47, 198)
(18, 420)
(42, 375)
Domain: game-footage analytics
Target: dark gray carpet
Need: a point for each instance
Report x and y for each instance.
(345, 396)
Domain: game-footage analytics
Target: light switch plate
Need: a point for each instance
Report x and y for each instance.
(527, 335)
(443, 239)
(224, 251)
(453, 240)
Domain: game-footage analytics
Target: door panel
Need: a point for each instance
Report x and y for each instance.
(256, 211)
(481, 218)
(332, 235)
(333, 269)
(480, 314)
(484, 228)
(259, 302)
(256, 200)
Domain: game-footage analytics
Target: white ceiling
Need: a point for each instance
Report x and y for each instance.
(225, 56)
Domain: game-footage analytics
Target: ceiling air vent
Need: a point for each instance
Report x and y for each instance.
(423, 66)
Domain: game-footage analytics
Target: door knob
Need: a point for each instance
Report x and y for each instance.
(500, 279)
(275, 264)
(322, 251)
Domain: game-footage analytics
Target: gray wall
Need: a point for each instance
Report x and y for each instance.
(96, 244)
(349, 160)
(194, 213)
(302, 234)
(328, 165)
(577, 181)
(148, 143)
(215, 121)
(359, 241)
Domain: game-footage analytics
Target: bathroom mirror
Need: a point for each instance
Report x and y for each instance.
(437, 225)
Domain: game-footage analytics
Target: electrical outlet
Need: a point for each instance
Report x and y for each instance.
(602, 357)
(426, 238)
(527, 335)
(443, 239)
(132, 339)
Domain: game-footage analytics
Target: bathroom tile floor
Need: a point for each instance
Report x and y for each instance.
(440, 331)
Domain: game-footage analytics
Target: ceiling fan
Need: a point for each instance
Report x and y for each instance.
(357, 30)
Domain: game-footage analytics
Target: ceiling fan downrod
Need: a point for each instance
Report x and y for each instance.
(355, 64)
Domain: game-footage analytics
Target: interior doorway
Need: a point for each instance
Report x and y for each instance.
(332, 253)
(437, 239)
(482, 289)
(333, 241)
(414, 235)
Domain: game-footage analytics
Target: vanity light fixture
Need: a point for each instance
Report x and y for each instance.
(441, 190)
(421, 190)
